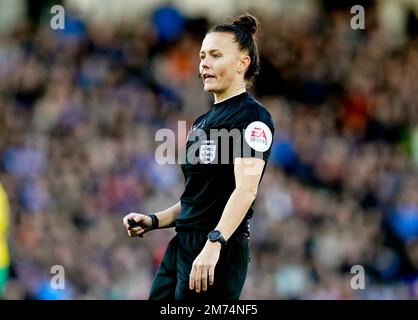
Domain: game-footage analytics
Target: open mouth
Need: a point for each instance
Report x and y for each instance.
(207, 76)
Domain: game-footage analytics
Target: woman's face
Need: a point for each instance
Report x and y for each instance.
(221, 63)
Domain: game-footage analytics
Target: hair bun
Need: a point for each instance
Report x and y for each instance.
(247, 22)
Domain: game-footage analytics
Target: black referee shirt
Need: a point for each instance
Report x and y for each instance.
(237, 127)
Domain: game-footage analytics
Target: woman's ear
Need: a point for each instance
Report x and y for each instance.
(244, 63)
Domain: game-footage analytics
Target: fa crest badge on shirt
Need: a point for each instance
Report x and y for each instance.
(207, 152)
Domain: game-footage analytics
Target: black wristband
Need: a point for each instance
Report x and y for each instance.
(154, 221)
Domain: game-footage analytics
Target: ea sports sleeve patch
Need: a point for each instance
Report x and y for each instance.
(258, 136)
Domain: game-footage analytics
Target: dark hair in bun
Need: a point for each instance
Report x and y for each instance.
(247, 22)
(243, 28)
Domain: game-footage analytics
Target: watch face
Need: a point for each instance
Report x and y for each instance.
(214, 235)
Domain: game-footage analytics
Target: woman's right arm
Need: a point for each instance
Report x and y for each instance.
(166, 219)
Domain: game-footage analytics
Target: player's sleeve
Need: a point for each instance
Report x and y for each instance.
(4, 212)
(4, 224)
(256, 136)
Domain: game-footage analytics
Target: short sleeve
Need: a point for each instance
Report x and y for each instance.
(256, 136)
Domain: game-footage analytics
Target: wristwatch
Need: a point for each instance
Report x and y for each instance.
(216, 236)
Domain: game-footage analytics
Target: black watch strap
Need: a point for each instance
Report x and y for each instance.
(154, 221)
(216, 236)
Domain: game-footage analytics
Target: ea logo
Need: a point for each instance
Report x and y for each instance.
(258, 136)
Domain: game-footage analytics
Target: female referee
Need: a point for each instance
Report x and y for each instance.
(208, 258)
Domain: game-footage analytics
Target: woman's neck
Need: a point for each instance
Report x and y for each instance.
(219, 97)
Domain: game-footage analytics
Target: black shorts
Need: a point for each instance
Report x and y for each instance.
(171, 281)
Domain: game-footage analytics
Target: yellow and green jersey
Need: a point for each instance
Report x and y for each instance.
(4, 225)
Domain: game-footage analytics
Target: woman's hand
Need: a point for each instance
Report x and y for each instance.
(203, 268)
(144, 221)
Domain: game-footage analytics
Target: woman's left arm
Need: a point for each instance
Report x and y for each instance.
(247, 173)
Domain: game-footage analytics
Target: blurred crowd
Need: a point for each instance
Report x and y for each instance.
(79, 109)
